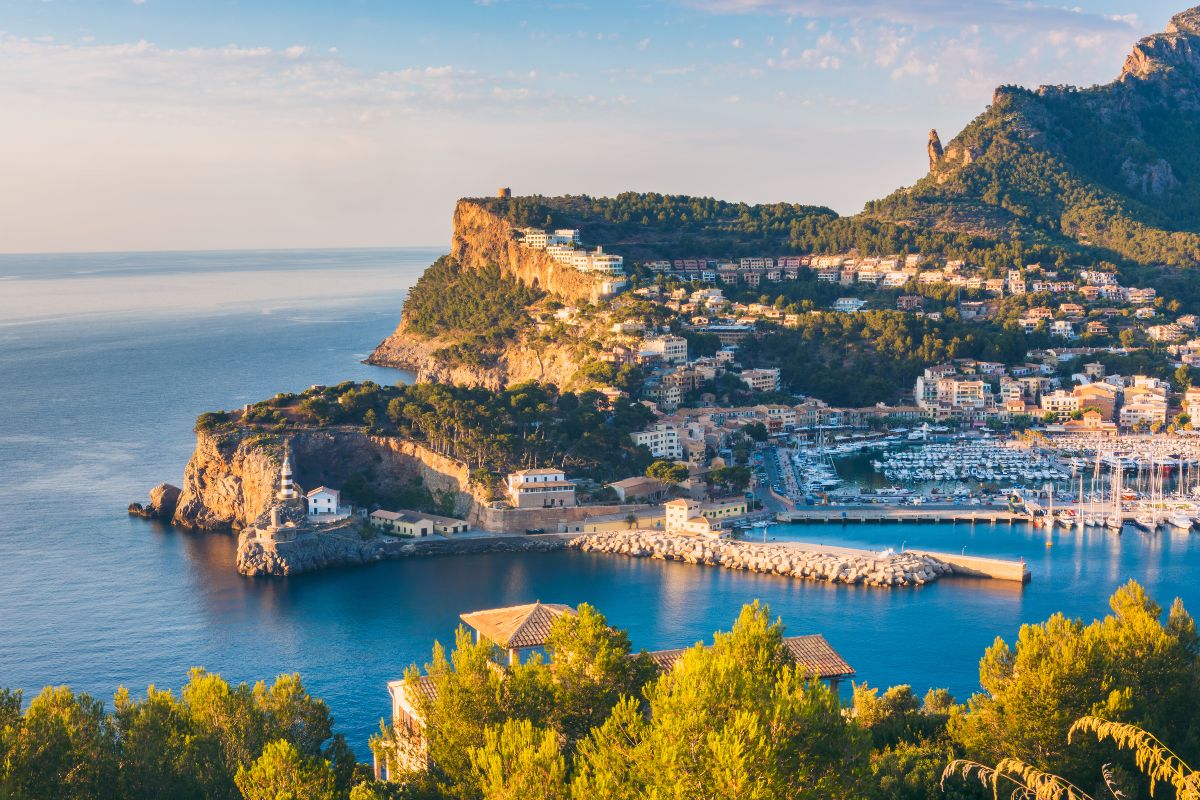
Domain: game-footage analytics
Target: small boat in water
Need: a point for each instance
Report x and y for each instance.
(1114, 523)
(1147, 522)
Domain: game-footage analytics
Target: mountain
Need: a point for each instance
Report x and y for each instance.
(1114, 169)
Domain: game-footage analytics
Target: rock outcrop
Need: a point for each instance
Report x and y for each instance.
(934, 149)
(905, 569)
(346, 545)
(1175, 49)
(163, 500)
(232, 477)
(482, 237)
(519, 362)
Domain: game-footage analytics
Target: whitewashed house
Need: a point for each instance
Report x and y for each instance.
(323, 500)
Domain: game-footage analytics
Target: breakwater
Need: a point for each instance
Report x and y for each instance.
(311, 550)
(831, 565)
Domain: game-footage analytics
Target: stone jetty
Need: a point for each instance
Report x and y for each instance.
(835, 565)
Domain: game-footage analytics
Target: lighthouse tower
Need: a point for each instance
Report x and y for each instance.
(287, 490)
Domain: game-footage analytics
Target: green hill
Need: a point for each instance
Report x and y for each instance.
(1112, 170)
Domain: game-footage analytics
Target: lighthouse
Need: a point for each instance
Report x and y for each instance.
(287, 490)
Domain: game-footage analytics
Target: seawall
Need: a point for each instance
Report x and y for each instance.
(830, 565)
(1000, 569)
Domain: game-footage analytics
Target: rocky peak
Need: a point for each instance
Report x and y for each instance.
(1175, 50)
(934, 149)
(1185, 22)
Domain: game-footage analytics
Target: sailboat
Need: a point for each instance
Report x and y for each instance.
(1116, 520)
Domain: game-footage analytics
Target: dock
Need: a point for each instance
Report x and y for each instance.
(827, 514)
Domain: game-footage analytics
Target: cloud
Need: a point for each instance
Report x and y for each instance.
(158, 80)
(948, 13)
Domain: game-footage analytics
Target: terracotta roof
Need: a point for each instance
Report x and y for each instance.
(811, 652)
(517, 626)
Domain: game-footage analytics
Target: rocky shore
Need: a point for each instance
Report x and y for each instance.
(834, 566)
(345, 546)
(163, 500)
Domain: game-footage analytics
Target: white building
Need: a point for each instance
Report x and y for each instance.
(323, 500)
(662, 441)
(672, 349)
(848, 304)
(761, 380)
(540, 488)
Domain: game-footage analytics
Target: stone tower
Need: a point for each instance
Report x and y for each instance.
(504, 193)
(287, 489)
(935, 149)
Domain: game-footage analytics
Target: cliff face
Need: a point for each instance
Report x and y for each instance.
(519, 362)
(231, 480)
(481, 237)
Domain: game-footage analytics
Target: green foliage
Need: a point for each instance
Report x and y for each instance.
(518, 762)
(594, 667)
(734, 479)
(281, 773)
(485, 302)
(525, 425)
(652, 225)
(1061, 169)
(756, 431)
(738, 720)
(210, 742)
(667, 471)
(864, 358)
(1129, 667)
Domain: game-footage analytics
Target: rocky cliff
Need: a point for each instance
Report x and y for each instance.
(522, 360)
(482, 237)
(231, 477)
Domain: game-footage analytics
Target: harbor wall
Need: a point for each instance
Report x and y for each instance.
(998, 568)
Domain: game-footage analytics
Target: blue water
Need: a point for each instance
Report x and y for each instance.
(106, 360)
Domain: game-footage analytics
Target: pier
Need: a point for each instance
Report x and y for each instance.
(952, 514)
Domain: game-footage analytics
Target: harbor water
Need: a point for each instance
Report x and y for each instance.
(106, 361)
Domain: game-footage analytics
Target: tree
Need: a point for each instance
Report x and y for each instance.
(282, 773)
(62, 749)
(1131, 666)
(735, 479)
(667, 472)
(520, 762)
(594, 665)
(631, 521)
(756, 431)
(737, 720)
(1157, 763)
(1127, 338)
(1183, 377)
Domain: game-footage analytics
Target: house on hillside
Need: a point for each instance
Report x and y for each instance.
(540, 488)
(516, 633)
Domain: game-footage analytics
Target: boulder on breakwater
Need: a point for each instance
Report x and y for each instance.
(832, 566)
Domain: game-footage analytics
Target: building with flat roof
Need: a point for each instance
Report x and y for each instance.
(540, 488)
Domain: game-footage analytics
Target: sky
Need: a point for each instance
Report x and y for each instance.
(225, 124)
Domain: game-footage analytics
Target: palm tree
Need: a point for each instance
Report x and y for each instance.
(1156, 761)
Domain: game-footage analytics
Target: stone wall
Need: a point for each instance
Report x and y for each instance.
(841, 566)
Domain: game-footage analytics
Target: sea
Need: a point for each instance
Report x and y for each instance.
(107, 359)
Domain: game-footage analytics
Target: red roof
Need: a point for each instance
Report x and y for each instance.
(811, 652)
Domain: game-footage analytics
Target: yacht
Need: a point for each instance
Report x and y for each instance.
(1145, 521)
(1180, 521)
